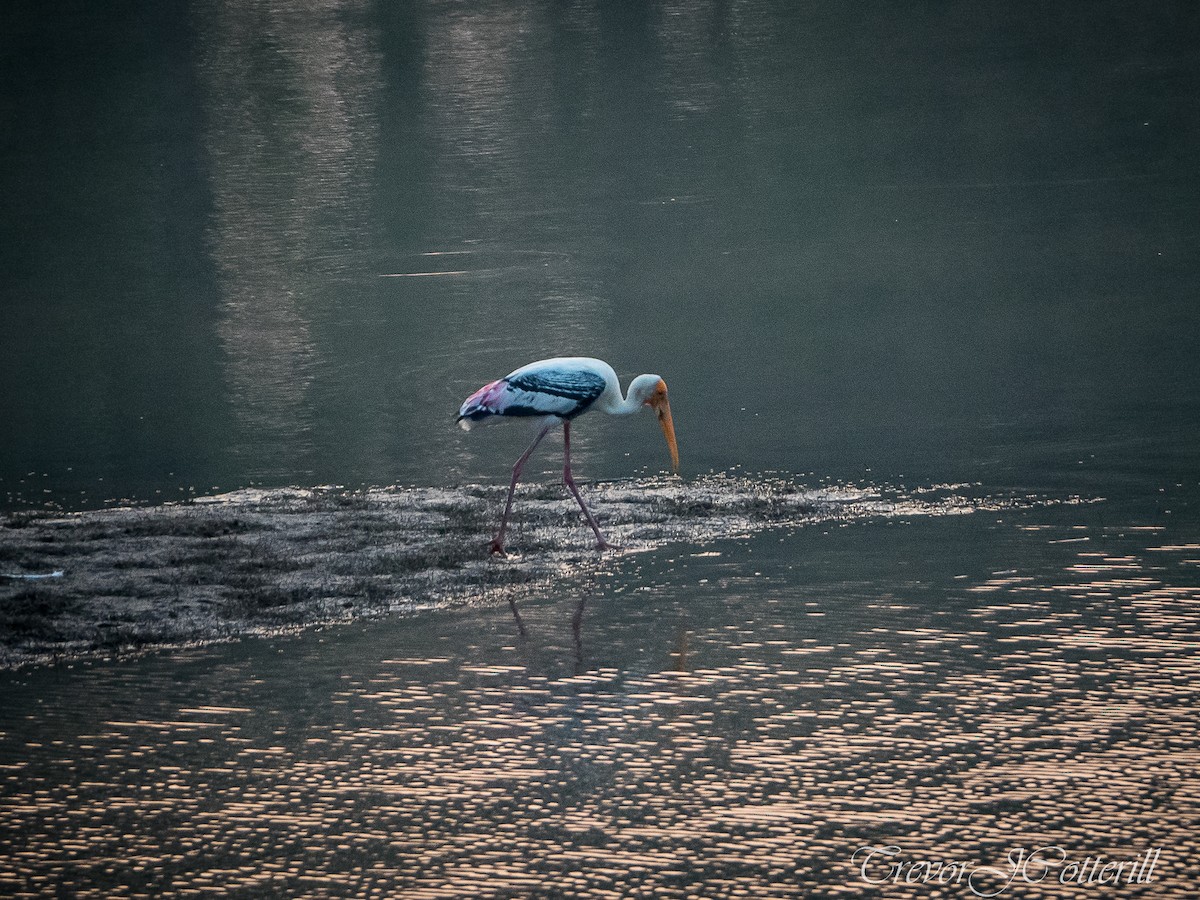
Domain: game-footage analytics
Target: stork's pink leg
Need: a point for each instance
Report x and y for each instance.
(497, 545)
(601, 543)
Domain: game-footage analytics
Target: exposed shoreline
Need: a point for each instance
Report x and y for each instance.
(259, 562)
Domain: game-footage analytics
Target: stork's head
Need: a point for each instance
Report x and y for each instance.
(650, 390)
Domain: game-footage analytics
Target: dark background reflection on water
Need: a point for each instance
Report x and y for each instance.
(277, 243)
(925, 240)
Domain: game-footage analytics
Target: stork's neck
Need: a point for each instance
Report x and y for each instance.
(615, 405)
(627, 405)
(635, 398)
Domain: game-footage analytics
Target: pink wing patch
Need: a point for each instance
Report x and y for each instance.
(491, 399)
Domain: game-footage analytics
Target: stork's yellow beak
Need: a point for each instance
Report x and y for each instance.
(668, 427)
(659, 403)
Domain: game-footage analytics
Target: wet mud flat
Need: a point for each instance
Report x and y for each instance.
(268, 561)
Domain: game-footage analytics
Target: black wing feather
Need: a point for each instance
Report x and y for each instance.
(583, 387)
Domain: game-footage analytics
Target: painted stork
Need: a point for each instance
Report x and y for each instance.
(554, 392)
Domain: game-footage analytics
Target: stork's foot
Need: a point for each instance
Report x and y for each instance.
(496, 548)
(602, 544)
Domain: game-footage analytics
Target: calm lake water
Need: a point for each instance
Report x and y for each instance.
(270, 243)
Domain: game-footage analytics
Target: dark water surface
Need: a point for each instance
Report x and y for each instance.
(277, 243)
(945, 244)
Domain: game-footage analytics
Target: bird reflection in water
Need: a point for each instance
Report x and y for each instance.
(679, 655)
(576, 626)
(577, 630)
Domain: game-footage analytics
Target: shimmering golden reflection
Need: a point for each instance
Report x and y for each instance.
(1058, 710)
